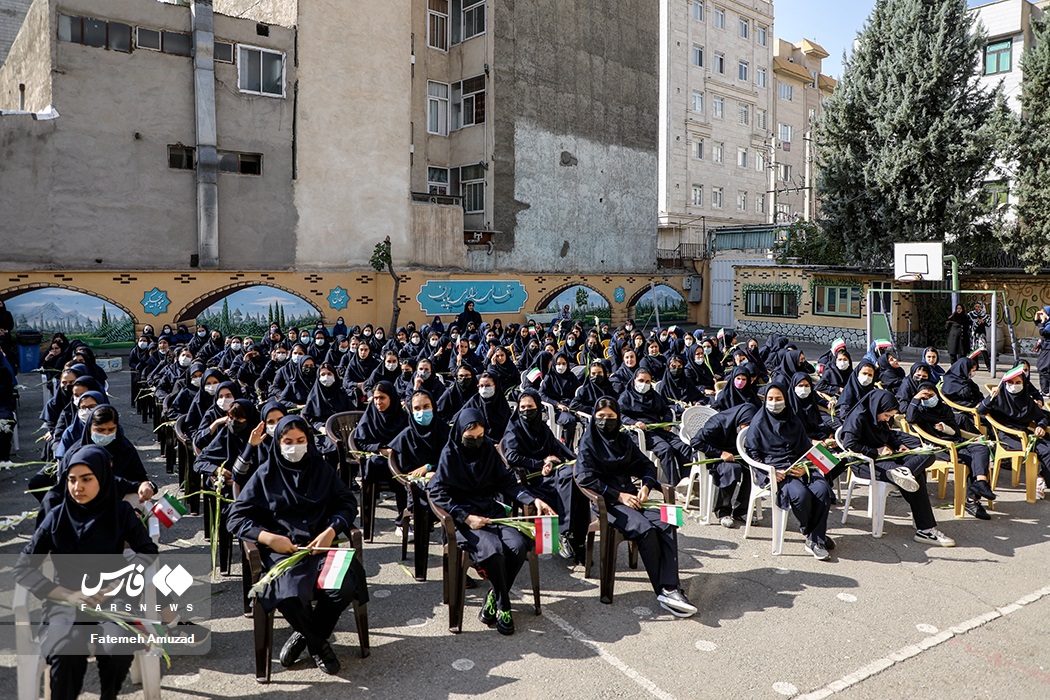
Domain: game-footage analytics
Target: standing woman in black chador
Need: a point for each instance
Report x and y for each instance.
(606, 462)
(90, 518)
(469, 484)
(296, 500)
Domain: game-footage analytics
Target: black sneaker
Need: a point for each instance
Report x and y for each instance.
(504, 622)
(829, 544)
(326, 659)
(975, 509)
(293, 649)
(981, 489)
(487, 614)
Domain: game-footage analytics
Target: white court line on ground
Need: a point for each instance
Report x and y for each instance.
(912, 650)
(608, 657)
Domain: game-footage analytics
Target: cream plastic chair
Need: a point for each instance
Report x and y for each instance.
(878, 490)
(780, 516)
(1003, 454)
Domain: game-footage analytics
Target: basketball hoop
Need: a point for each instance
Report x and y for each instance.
(910, 278)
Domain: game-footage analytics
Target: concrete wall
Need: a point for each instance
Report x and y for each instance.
(12, 12)
(29, 60)
(575, 88)
(282, 12)
(437, 239)
(102, 192)
(353, 131)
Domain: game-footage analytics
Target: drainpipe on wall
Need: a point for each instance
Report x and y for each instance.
(207, 155)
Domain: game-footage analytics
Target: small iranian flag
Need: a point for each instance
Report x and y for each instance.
(883, 343)
(721, 333)
(168, 510)
(838, 344)
(671, 514)
(533, 374)
(975, 354)
(547, 535)
(336, 566)
(821, 458)
(1014, 373)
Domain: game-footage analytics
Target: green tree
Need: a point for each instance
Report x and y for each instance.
(269, 314)
(382, 259)
(581, 299)
(105, 318)
(909, 134)
(224, 317)
(1030, 237)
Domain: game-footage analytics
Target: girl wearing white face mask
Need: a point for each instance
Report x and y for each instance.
(559, 388)
(217, 416)
(778, 438)
(641, 405)
(1011, 406)
(302, 503)
(489, 401)
(129, 474)
(860, 384)
(836, 374)
(806, 404)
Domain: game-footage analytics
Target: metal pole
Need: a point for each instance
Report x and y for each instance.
(955, 279)
(993, 352)
(871, 330)
(656, 307)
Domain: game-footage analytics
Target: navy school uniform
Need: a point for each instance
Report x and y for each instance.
(976, 457)
(718, 435)
(1018, 412)
(650, 407)
(376, 430)
(605, 464)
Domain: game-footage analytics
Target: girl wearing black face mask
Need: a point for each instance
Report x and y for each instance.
(596, 385)
(469, 484)
(558, 388)
(531, 448)
(606, 462)
(678, 389)
(231, 441)
(462, 389)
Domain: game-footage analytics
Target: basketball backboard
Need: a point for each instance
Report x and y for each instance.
(918, 261)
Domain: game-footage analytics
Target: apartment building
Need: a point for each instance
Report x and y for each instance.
(737, 106)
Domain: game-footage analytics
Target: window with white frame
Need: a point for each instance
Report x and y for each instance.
(745, 28)
(812, 116)
(717, 197)
(786, 91)
(719, 65)
(698, 55)
(260, 71)
(760, 77)
(786, 132)
(468, 19)
(761, 35)
(718, 106)
(718, 152)
(437, 180)
(437, 24)
(784, 212)
(468, 102)
(698, 195)
(783, 172)
(743, 71)
(720, 18)
(760, 203)
(472, 188)
(760, 161)
(698, 149)
(745, 113)
(741, 200)
(761, 119)
(698, 102)
(437, 108)
(698, 10)
(741, 157)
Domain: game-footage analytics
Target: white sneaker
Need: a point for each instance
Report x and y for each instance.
(902, 476)
(818, 551)
(728, 523)
(1040, 487)
(676, 603)
(934, 536)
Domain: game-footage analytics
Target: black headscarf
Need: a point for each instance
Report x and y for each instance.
(957, 384)
(863, 422)
(1014, 411)
(496, 412)
(228, 444)
(532, 440)
(908, 386)
(559, 388)
(72, 522)
(507, 375)
(731, 396)
(721, 429)
(807, 409)
(609, 461)
(680, 388)
(457, 393)
(417, 445)
(834, 377)
(593, 389)
(649, 407)
(358, 369)
(926, 417)
(324, 401)
(381, 427)
(699, 373)
(203, 401)
(777, 439)
(853, 392)
(299, 385)
(889, 376)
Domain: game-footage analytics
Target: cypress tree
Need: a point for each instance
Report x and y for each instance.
(1030, 238)
(908, 135)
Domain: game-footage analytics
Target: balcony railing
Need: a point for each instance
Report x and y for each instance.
(427, 198)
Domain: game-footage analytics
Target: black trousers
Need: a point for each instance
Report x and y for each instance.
(317, 622)
(673, 453)
(1041, 449)
(68, 669)
(733, 499)
(810, 502)
(377, 471)
(499, 553)
(657, 543)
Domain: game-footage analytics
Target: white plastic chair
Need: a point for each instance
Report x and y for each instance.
(579, 371)
(780, 516)
(877, 490)
(647, 452)
(551, 414)
(693, 419)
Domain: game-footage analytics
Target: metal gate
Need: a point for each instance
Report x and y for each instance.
(722, 296)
